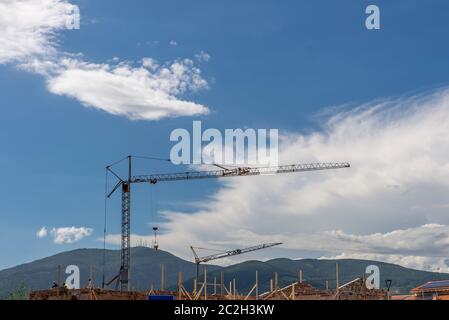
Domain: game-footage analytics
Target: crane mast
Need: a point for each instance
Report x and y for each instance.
(125, 184)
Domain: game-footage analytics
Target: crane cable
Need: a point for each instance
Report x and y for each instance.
(209, 249)
(152, 158)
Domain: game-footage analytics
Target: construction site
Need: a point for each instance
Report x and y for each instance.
(203, 287)
(354, 290)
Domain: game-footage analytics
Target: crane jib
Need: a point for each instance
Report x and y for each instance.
(233, 252)
(239, 172)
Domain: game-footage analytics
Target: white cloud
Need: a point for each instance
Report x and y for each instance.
(69, 235)
(399, 151)
(42, 233)
(29, 27)
(173, 43)
(434, 264)
(425, 247)
(429, 239)
(150, 64)
(145, 92)
(203, 56)
(150, 91)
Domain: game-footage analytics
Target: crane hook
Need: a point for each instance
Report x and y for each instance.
(155, 242)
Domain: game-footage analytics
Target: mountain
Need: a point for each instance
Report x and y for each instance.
(316, 272)
(146, 271)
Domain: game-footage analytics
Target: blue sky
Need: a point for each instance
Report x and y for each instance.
(272, 65)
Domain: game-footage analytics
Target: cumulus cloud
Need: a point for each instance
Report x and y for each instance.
(69, 235)
(28, 28)
(429, 240)
(391, 202)
(202, 56)
(146, 92)
(434, 264)
(149, 91)
(42, 233)
(425, 247)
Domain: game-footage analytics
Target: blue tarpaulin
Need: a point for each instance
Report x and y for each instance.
(159, 298)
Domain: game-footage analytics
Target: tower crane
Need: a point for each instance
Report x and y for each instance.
(229, 253)
(126, 183)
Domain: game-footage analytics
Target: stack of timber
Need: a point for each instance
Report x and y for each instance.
(357, 290)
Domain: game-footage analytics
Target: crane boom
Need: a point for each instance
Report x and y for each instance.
(238, 172)
(231, 253)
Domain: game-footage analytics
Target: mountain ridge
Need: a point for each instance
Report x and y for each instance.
(146, 271)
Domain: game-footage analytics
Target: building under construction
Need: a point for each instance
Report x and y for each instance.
(214, 290)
